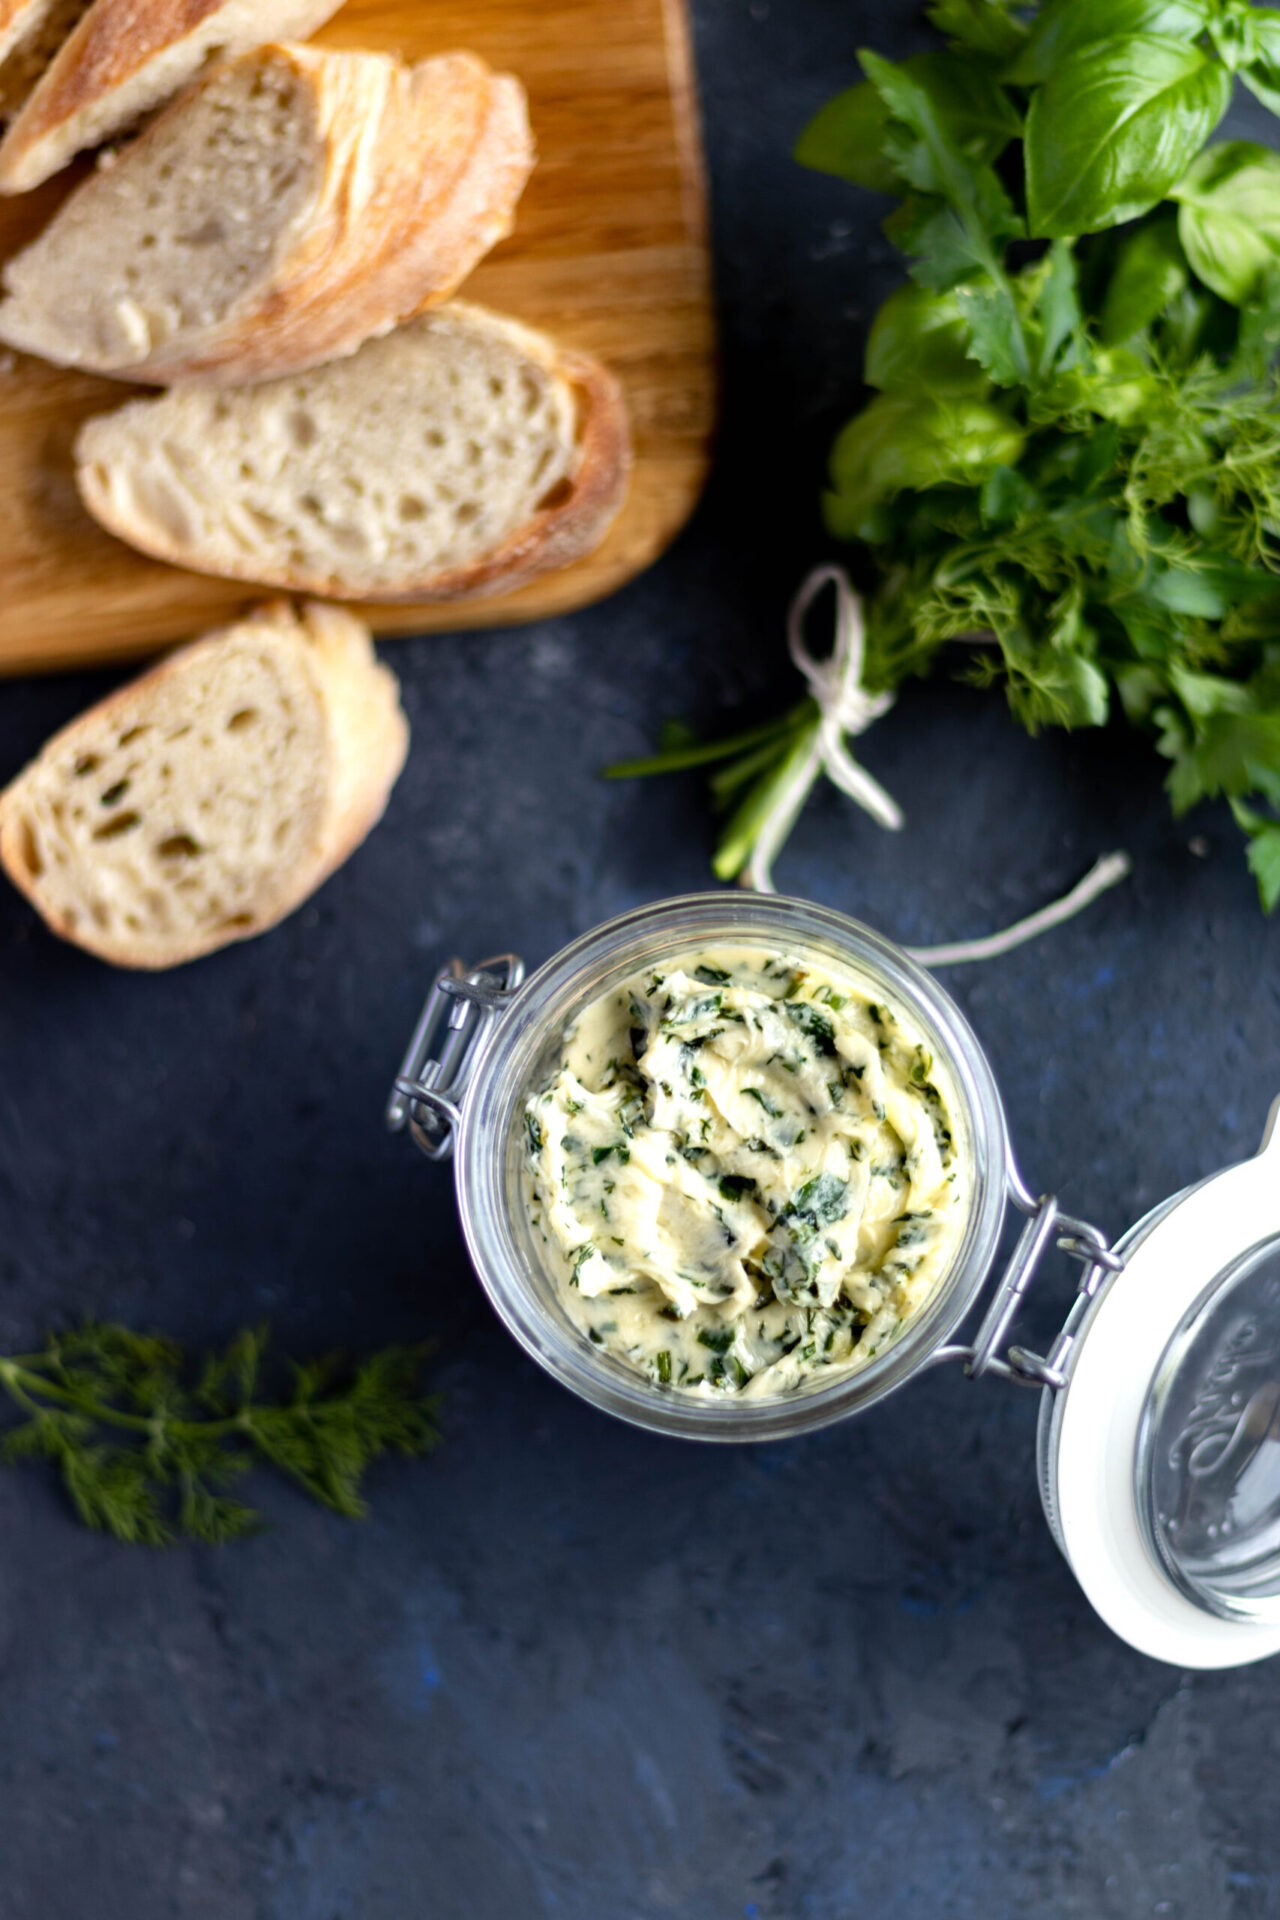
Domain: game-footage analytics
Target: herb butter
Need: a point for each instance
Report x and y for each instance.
(744, 1173)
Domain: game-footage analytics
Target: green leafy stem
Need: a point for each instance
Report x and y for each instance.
(1070, 451)
(148, 1448)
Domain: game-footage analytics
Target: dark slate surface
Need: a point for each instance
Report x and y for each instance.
(567, 1670)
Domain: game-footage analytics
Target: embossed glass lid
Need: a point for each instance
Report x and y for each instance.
(1208, 1467)
(1160, 1456)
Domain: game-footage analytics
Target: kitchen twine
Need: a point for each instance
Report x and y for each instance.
(845, 708)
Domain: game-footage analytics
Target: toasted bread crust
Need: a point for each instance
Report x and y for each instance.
(106, 58)
(453, 160)
(421, 171)
(465, 155)
(109, 51)
(561, 532)
(14, 15)
(368, 740)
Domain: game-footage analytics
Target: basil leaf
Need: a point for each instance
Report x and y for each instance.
(846, 137)
(984, 26)
(1261, 73)
(1150, 271)
(905, 440)
(1113, 129)
(919, 340)
(1065, 26)
(1229, 218)
(851, 138)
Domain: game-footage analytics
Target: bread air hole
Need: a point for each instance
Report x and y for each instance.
(411, 507)
(235, 923)
(114, 794)
(243, 718)
(112, 829)
(29, 851)
(302, 430)
(87, 763)
(179, 846)
(208, 233)
(556, 496)
(133, 733)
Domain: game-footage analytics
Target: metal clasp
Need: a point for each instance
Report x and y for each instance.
(1046, 1224)
(428, 1090)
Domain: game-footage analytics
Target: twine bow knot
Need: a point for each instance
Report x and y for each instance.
(845, 710)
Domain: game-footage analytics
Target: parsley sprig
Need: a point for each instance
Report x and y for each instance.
(1066, 479)
(148, 1449)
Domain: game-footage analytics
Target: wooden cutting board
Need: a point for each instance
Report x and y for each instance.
(609, 253)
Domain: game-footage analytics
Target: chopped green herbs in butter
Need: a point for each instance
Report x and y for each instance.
(775, 1155)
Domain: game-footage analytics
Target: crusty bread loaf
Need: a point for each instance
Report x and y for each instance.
(205, 801)
(460, 455)
(125, 57)
(291, 205)
(31, 31)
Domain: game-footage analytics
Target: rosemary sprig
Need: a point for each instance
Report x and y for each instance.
(147, 1447)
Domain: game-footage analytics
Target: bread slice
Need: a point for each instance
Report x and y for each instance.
(288, 207)
(204, 802)
(460, 455)
(31, 31)
(116, 62)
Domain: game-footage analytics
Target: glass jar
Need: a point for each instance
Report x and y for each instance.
(488, 1039)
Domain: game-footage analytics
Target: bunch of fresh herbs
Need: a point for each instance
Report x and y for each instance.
(148, 1449)
(1070, 464)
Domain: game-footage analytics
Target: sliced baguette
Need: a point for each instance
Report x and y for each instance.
(125, 57)
(291, 205)
(460, 455)
(31, 31)
(205, 801)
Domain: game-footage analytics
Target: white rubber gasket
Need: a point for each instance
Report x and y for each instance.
(1119, 1352)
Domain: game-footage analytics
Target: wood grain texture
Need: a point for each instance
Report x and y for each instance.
(609, 253)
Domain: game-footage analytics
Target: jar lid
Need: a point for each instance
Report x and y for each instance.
(1160, 1455)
